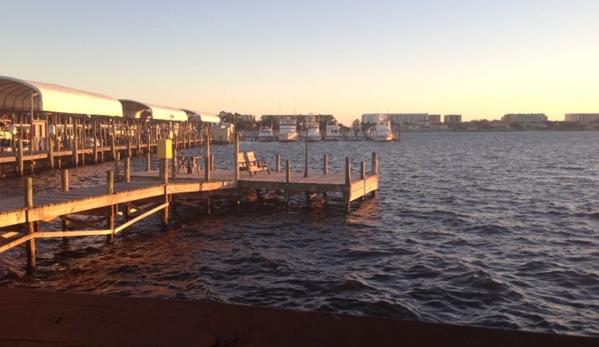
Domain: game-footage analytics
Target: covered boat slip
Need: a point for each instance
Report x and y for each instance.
(41, 121)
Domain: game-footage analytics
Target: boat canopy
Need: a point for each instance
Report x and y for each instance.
(135, 109)
(16, 94)
(196, 117)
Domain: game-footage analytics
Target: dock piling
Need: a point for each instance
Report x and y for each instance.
(30, 226)
(111, 208)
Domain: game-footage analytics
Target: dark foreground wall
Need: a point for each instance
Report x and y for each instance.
(37, 318)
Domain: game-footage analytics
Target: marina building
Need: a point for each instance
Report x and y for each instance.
(584, 118)
(524, 118)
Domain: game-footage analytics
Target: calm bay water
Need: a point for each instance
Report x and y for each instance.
(487, 229)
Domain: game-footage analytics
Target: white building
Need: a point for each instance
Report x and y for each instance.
(582, 117)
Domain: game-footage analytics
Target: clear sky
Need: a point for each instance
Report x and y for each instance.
(478, 58)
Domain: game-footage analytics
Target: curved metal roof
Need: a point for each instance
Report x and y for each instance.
(196, 117)
(16, 94)
(136, 109)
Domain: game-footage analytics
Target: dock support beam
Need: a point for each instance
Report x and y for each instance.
(278, 162)
(66, 223)
(30, 226)
(111, 208)
(347, 183)
(375, 168)
(287, 180)
(208, 160)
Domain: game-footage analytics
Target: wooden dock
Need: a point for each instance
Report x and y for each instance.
(143, 194)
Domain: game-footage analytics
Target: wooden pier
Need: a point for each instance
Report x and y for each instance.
(142, 194)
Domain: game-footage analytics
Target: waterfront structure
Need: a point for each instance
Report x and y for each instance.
(47, 123)
(524, 118)
(145, 193)
(584, 118)
(452, 118)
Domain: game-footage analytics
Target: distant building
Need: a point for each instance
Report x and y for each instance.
(582, 117)
(452, 118)
(524, 118)
(398, 118)
(434, 118)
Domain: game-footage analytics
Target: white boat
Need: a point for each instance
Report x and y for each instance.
(382, 131)
(332, 132)
(266, 135)
(287, 129)
(313, 134)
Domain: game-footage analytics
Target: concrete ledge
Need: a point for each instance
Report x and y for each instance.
(38, 318)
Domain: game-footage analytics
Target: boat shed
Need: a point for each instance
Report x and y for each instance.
(21, 95)
(193, 116)
(138, 110)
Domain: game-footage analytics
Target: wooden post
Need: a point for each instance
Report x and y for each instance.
(375, 168)
(74, 145)
(306, 165)
(166, 197)
(64, 180)
(236, 157)
(64, 183)
(164, 171)
(128, 139)
(117, 165)
(95, 139)
(50, 145)
(375, 164)
(20, 164)
(149, 140)
(113, 137)
(347, 183)
(128, 169)
(111, 208)
(287, 180)
(83, 140)
(148, 160)
(325, 166)
(208, 159)
(362, 176)
(278, 162)
(175, 163)
(138, 137)
(30, 226)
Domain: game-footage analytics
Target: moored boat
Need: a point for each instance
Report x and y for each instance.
(382, 131)
(287, 129)
(313, 134)
(332, 132)
(266, 135)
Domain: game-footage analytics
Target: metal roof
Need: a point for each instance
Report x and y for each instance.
(16, 94)
(196, 117)
(136, 109)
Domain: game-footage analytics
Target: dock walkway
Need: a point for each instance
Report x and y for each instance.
(145, 193)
